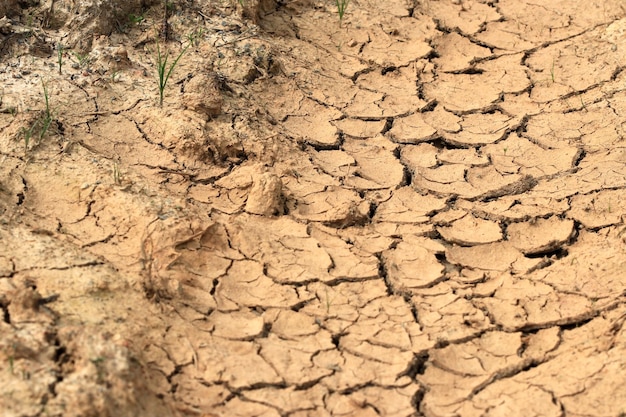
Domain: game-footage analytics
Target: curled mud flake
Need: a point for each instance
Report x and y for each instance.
(447, 317)
(495, 184)
(491, 353)
(347, 263)
(508, 35)
(293, 359)
(333, 205)
(238, 407)
(516, 209)
(373, 401)
(599, 209)
(517, 154)
(482, 129)
(412, 129)
(339, 306)
(407, 206)
(497, 256)
(236, 325)
(387, 323)
(146, 147)
(291, 400)
(332, 87)
(364, 105)
(444, 174)
(511, 396)
(358, 128)
(485, 363)
(512, 76)
(457, 53)
(409, 266)
(562, 64)
(540, 236)
(289, 324)
(335, 163)
(448, 217)
(399, 89)
(376, 161)
(599, 264)
(196, 394)
(445, 180)
(423, 155)
(464, 93)
(312, 125)
(388, 50)
(237, 364)
(245, 285)
(442, 120)
(467, 17)
(470, 231)
(356, 371)
(530, 304)
(469, 157)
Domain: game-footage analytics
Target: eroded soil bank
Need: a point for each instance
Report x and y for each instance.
(416, 211)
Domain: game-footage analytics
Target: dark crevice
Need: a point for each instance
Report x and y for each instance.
(407, 177)
(382, 272)
(388, 125)
(299, 306)
(557, 253)
(469, 71)
(576, 324)
(336, 338)
(4, 304)
(372, 211)
(430, 106)
(267, 327)
(416, 401)
(417, 365)
(579, 157)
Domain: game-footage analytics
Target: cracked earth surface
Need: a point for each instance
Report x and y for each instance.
(418, 212)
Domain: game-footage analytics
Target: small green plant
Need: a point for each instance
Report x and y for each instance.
(342, 5)
(329, 301)
(163, 70)
(136, 19)
(552, 71)
(195, 36)
(83, 59)
(40, 126)
(117, 175)
(60, 56)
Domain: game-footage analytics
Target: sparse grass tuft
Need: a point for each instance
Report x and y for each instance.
(40, 126)
(163, 70)
(342, 5)
(60, 56)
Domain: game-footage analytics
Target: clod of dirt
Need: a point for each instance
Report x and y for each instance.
(497, 256)
(202, 94)
(265, 197)
(470, 231)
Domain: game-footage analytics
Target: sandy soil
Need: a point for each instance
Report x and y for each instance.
(418, 211)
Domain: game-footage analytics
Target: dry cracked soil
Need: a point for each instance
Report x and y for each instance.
(417, 210)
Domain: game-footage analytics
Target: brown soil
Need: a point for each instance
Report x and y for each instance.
(416, 211)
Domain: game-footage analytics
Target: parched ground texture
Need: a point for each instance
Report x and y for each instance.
(417, 211)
